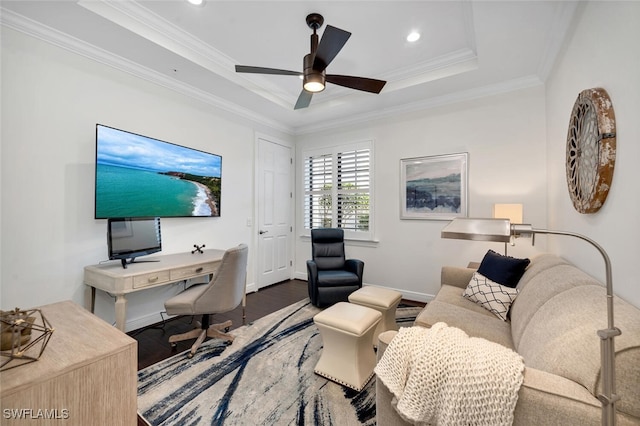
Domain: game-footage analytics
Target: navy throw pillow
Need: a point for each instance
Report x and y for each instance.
(505, 270)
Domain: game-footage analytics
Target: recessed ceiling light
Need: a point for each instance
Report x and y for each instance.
(196, 2)
(413, 36)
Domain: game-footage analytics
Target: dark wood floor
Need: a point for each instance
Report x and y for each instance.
(153, 343)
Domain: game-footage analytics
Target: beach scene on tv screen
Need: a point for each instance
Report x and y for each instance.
(137, 176)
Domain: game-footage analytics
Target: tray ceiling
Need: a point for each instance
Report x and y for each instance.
(467, 49)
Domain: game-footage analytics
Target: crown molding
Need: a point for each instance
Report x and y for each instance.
(455, 63)
(139, 20)
(64, 41)
(449, 99)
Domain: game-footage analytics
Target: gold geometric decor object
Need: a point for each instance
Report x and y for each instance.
(24, 336)
(591, 150)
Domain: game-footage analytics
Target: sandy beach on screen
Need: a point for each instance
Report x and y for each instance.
(210, 201)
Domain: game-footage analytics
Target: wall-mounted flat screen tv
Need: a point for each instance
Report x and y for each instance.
(138, 176)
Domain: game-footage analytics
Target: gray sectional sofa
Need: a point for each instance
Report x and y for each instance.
(553, 323)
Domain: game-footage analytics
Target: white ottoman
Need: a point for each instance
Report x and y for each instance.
(382, 300)
(347, 356)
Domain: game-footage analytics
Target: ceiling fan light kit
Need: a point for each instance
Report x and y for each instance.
(314, 75)
(314, 82)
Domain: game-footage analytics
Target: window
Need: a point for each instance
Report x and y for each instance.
(338, 190)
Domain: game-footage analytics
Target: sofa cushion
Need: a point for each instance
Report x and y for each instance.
(562, 339)
(542, 392)
(475, 324)
(504, 270)
(336, 278)
(490, 295)
(456, 276)
(452, 295)
(554, 328)
(540, 289)
(539, 263)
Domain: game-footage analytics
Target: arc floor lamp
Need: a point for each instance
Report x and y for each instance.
(501, 230)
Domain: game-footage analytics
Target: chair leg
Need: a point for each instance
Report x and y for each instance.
(220, 331)
(196, 345)
(203, 331)
(193, 334)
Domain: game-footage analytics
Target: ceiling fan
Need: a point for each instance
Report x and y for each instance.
(316, 62)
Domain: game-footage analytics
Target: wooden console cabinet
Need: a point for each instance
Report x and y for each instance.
(87, 375)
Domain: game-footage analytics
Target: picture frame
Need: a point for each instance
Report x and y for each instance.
(434, 187)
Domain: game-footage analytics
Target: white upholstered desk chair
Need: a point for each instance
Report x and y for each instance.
(222, 294)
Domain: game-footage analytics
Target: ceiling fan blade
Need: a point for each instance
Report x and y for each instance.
(332, 41)
(303, 100)
(358, 83)
(262, 70)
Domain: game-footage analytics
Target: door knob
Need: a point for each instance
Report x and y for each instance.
(262, 232)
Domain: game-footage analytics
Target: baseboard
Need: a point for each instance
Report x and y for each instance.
(300, 276)
(406, 294)
(252, 288)
(156, 317)
(145, 321)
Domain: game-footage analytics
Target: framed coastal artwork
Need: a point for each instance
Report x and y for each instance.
(434, 187)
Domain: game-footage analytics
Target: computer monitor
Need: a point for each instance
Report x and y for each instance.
(132, 237)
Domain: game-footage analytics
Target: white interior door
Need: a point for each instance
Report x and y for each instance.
(274, 212)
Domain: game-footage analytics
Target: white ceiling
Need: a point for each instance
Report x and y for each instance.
(468, 49)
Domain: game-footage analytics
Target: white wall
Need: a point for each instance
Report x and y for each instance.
(602, 52)
(51, 101)
(505, 138)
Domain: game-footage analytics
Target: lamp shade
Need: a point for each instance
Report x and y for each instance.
(513, 212)
(478, 229)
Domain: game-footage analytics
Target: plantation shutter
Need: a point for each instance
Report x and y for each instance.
(353, 189)
(337, 189)
(318, 178)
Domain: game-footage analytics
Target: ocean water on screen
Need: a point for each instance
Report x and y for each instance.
(147, 193)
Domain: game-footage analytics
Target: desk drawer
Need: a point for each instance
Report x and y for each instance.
(151, 278)
(192, 271)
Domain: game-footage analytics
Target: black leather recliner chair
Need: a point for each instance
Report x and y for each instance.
(332, 278)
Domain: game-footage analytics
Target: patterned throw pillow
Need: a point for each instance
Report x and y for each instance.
(490, 295)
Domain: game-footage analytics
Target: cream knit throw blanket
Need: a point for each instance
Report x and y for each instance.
(441, 376)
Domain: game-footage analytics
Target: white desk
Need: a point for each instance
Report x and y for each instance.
(140, 275)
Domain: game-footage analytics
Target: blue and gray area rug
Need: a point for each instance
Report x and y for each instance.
(264, 378)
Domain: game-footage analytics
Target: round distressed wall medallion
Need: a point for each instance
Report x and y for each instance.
(591, 150)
